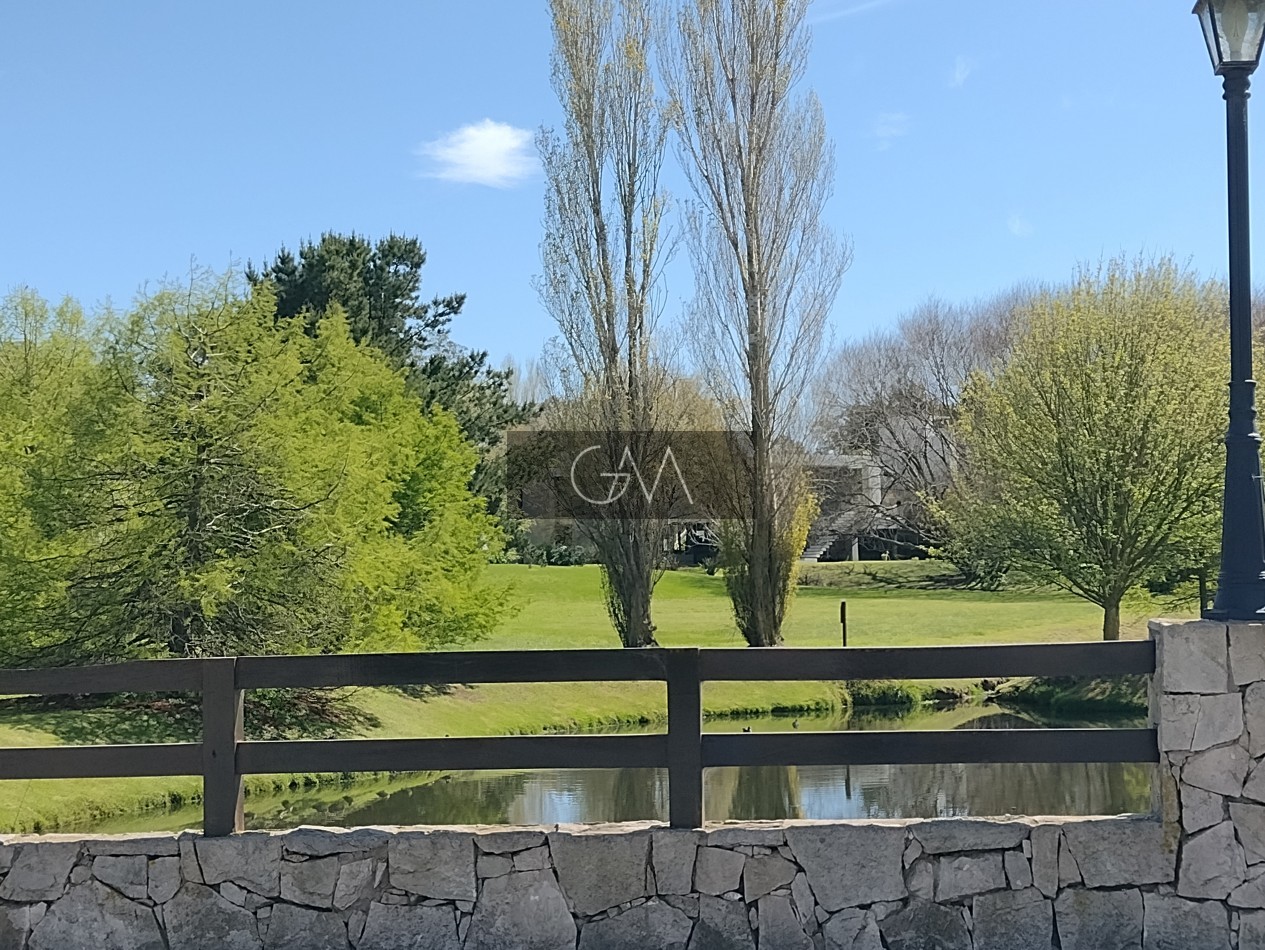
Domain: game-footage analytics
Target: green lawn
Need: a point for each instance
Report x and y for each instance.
(900, 607)
(889, 604)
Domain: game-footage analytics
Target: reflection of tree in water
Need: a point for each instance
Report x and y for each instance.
(637, 794)
(753, 793)
(449, 800)
(773, 792)
(1029, 788)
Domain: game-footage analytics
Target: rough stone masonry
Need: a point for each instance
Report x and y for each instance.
(1188, 877)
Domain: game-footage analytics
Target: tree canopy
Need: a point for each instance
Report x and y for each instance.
(206, 477)
(1094, 456)
(378, 287)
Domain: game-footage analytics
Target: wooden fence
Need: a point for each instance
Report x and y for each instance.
(224, 755)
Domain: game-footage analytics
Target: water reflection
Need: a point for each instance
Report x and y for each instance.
(768, 792)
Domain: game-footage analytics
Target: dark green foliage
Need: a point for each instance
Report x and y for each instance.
(378, 286)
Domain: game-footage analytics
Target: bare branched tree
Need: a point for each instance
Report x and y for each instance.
(604, 247)
(766, 267)
(893, 397)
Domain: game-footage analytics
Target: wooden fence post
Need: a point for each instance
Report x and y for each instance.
(223, 802)
(685, 739)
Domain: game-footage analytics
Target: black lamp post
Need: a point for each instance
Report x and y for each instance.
(1234, 30)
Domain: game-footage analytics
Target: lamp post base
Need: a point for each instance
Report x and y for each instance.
(1239, 598)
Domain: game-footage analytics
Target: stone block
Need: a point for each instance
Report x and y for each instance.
(16, 924)
(197, 918)
(1120, 852)
(913, 850)
(152, 846)
(1192, 656)
(1008, 920)
(852, 930)
(190, 870)
(768, 834)
(652, 924)
(502, 842)
(40, 871)
(849, 865)
(1220, 721)
(310, 882)
(533, 859)
(598, 871)
(802, 896)
(251, 860)
(673, 853)
(779, 927)
(303, 928)
(961, 875)
(93, 915)
(1069, 873)
(1247, 653)
(1212, 864)
(920, 879)
(436, 864)
(1252, 930)
(494, 865)
(764, 873)
(1254, 787)
(1045, 858)
(1251, 893)
(164, 879)
(1018, 873)
(1221, 770)
(722, 925)
(409, 927)
(355, 882)
(127, 874)
(1249, 824)
(522, 909)
(1201, 809)
(315, 842)
(1098, 920)
(1179, 715)
(1173, 923)
(1254, 718)
(926, 926)
(717, 870)
(944, 835)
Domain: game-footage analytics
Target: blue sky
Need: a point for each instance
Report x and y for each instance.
(978, 143)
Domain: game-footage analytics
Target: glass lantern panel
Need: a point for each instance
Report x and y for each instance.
(1203, 10)
(1240, 24)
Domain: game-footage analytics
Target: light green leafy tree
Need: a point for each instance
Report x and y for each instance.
(1095, 454)
(228, 483)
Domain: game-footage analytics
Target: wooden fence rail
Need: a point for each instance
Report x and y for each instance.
(224, 756)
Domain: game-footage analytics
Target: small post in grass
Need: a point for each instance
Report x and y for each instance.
(843, 620)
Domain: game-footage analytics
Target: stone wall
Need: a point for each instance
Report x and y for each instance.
(1189, 877)
(969, 883)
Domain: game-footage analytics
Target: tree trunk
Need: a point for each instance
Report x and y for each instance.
(1111, 619)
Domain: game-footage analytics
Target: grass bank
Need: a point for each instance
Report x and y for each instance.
(889, 604)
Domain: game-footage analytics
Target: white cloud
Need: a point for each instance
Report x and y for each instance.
(888, 126)
(484, 153)
(962, 68)
(1019, 226)
(826, 10)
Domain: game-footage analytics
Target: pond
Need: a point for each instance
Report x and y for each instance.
(767, 792)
